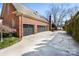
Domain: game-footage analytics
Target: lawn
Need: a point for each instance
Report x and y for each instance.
(8, 42)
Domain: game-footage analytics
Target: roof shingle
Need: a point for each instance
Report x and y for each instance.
(28, 12)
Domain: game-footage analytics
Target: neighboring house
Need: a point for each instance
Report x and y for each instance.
(52, 26)
(24, 20)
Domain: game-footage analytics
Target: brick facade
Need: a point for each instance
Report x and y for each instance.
(11, 19)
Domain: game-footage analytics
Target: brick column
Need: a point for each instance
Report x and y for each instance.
(47, 28)
(35, 28)
(20, 29)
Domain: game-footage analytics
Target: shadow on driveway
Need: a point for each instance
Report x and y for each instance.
(54, 47)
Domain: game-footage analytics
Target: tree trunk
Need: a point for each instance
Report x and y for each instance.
(1, 36)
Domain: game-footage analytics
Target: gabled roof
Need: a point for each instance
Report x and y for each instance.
(28, 12)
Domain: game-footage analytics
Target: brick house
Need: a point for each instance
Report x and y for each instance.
(23, 20)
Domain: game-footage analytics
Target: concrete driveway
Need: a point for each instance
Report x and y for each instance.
(61, 44)
(57, 43)
(27, 44)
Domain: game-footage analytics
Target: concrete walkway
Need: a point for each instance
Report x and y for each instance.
(44, 44)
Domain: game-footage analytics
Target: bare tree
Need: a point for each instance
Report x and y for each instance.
(54, 13)
(59, 12)
(72, 11)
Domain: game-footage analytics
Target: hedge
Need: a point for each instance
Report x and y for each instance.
(72, 26)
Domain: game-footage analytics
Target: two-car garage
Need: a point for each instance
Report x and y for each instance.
(29, 29)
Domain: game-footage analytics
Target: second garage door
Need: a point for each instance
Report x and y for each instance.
(41, 28)
(28, 29)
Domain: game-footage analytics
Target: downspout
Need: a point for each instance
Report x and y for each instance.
(21, 27)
